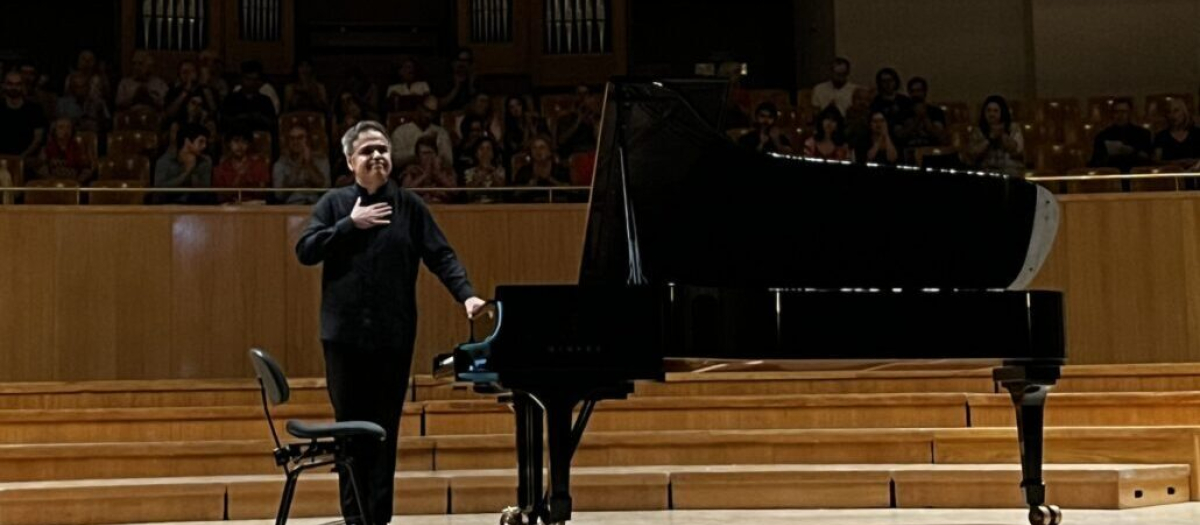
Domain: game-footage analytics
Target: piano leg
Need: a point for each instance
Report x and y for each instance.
(560, 435)
(1028, 385)
(529, 461)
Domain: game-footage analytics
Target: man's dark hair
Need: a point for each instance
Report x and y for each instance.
(768, 107)
(1123, 100)
(917, 80)
(240, 132)
(841, 61)
(189, 131)
(252, 66)
(886, 72)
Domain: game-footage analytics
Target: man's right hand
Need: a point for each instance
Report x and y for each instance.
(365, 217)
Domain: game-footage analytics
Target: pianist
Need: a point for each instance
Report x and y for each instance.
(371, 238)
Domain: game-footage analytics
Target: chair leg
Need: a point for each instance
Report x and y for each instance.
(285, 502)
(358, 501)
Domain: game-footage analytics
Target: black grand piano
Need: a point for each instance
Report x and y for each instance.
(696, 248)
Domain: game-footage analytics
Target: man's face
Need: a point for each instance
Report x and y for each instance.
(297, 139)
(1121, 113)
(841, 74)
(917, 91)
(62, 129)
(14, 86)
(887, 83)
(238, 147)
(423, 118)
(371, 158)
(765, 119)
(251, 82)
(540, 150)
(87, 60)
(187, 72)
(141, 65)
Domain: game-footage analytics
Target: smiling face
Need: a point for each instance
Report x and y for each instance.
(371, 158)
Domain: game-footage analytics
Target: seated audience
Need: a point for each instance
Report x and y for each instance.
(543, 168)
(240, 169)
(247, 107)
(481, 109)
(838, 91)
(187, 86)
(924, 124)
(63, 157)
(305, 93)
(1180, 142)
(1122, 144)
(211, 73)
(263, 87)
(299, 167)
(857, 127)
(365, 93)
(464, 82)
(485, 173)
(997, 144)
(93, 74)
(828, 142)
(472, 131)
(765, 137)
(85, 110)
(879, 149)
(142, 89)
(22, 123)
(578, 126)
(408, 92)
(888, 100)
(428, 171)
(405, 137)
(186, 166)
(521, 125)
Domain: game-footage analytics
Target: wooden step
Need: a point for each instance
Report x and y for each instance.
(781, 487)
(705, 447)
(165, 424)
(823, 382)
(107, 501)
(591, 490)
(1068, 486)
(257, 497)
(151, 393)
(1150, 377)
(722, 413)
(1109, 409)
(45, 462)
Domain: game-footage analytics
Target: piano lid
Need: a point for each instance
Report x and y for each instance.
(675, 201)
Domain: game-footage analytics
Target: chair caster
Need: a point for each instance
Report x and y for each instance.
(1045, 515)
(512, 516)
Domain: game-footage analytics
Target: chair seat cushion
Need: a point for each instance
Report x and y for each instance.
(341, 429)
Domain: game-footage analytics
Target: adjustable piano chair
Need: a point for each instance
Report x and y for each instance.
(326, 441)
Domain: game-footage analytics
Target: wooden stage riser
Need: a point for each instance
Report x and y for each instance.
(257, 497)
(300, 396)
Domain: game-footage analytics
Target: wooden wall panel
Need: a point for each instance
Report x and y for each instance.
(27, 316)
(302, 338)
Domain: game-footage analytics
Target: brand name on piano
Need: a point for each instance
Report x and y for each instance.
(574, 349)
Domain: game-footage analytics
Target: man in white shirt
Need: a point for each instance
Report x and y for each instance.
(838, 90)
(404, 139)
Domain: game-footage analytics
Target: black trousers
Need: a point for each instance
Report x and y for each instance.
(368, 385)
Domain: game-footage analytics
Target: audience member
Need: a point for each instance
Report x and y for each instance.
(464, 82)
(485, 173)
(924, 124)
(247, 107)
(429, 171)
(1180, 142)
(240, 169)
(879, 149)
(543, 168)
(888, 100)
(80, 104)
(300, 167)
(828, 142)
(63, 157)
(187, 86)
(472, 131)
(22, 123)
(521, 125)
(211, 73)
(142, 89)
(857, 128)
(765, 137)
(996, 143)
(404, 138)
(94, 76)
(1122, 144)
(263, 88)
(481, 108)
(409, 90)
(838, 91)
(578, 126)
(365, 93)
(305, 93)
(186, 166)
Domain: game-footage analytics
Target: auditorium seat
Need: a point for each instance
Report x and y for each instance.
(313, 121)
(1157, 184)
(519, 160)
(581, 166)
(555, 104)
(936, 156)
(110, 198)
(1099, 109)
(133, 142)
(69, 195)
(1055, 158)
(261, 144)
(403, 103)
(139, 119)
(89, 142)
(1094, 185)
(1058, 110)
(124, 167)
(396, 119)
(956, 112)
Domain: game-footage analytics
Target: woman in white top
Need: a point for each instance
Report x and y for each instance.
(997, 144)
(408, 86)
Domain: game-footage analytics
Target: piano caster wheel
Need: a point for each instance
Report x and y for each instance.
(512, 516)
(1045, 515)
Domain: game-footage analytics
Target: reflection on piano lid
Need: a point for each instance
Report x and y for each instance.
(674, 200)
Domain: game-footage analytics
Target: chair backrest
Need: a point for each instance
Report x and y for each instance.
(261, 144)
(143, 119)
(124, 167)
(69, 195)
(132, 141)
(270, 374)
(117, 198)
